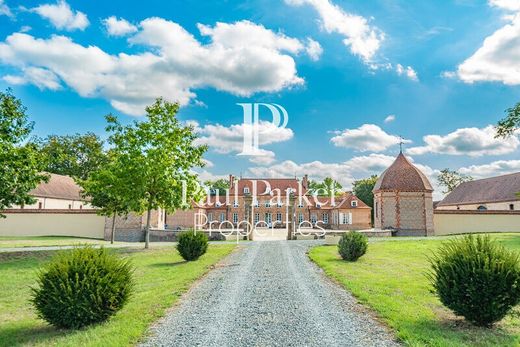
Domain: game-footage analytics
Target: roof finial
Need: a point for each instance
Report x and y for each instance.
(401, 141)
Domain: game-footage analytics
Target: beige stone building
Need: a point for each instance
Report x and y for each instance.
(403, 200)
(493, 194)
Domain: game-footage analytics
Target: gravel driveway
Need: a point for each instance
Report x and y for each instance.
(268, 294)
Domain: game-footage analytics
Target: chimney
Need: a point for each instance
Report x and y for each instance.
(305, 181)
(231, 179)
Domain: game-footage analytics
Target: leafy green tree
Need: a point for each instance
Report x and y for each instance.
(157, 156)
(72, 155)
(363, 190)
(105, 189)
(507, 126)
(325, 187)
(451, 179)
(20, 171)
(220, 184)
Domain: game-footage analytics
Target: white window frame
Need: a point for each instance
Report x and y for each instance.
(314, 218)
(325, 218)
(246, 190)
(257, 217)
(278, 216)
(235, 217)
(222, 216)
(210, 217)
(268, 217)
(300, 217)
(235, 204)
(354, 203)
(267, 203)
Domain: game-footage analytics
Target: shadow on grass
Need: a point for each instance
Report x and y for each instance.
(24, 335)
(169, 264)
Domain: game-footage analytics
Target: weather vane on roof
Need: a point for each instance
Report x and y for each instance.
(401, 141)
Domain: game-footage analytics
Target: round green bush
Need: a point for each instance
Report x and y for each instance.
(191, 245)
(476, 278)
(82, 287)
(352, 245)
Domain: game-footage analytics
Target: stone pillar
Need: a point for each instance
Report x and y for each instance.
(249, 215)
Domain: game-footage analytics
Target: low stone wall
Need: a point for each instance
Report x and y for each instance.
(156, 235)
(78, 223)
(449, 222)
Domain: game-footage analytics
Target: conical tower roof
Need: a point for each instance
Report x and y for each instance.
(402, 175)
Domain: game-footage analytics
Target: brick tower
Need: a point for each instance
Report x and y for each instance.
(403, 200)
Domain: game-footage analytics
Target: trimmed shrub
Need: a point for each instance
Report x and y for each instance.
(476, 278)
(352, 245)
(191, 245)
(82, 287)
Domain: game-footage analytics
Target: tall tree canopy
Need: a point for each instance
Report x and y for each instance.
(363, 190)
(20, 170)
(157, 156)
(451, 179)
(325, 187)
(106, 189)
(72, 155)
(507, 126)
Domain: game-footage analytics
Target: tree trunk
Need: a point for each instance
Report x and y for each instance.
(147, 230)
(113, 236)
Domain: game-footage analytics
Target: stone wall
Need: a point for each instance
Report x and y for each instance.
(462, 222)
(505, 206)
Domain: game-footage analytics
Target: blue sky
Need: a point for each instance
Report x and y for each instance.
(445, 71)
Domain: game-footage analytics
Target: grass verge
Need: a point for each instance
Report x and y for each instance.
(390, 278)
(161, 277)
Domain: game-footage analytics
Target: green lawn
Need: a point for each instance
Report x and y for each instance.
(41, 241)
(161, 277)
(390, 279)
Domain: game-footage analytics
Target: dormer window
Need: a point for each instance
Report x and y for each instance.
(235, 204)
(318, 205)
(218, 204)
(268, 203)
(279, 204)
(353, 203)
(246, 190)
(255, 203)
(300, 204)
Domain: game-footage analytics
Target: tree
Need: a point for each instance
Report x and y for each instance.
(20, 171)
(220, 184)
(105, 189)
(326, 187)
(363, 190)
(72, 155)
(451, 179)
(507, 126)
(157, 156)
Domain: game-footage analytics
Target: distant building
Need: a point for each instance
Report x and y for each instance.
(493, 194)
(403, 199)
(59, 193)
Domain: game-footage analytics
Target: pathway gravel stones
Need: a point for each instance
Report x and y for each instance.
(268, 294)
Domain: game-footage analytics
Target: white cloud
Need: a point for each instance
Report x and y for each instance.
(407, 71)
(360, 37)
(5, 10)
(174, 64)
(496, 168)
(510, 5)
(226, 140)
(368, 137)
(205, 175)
(118, 27)
(313, 49)
(345, 172)
(390, 118)
(62, 16)
(42, 78)
(467, 141)
(498, 59)
(208, 163)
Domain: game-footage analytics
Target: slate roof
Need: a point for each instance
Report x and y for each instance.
(58, 187)
(493, 189)
(402, 175)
